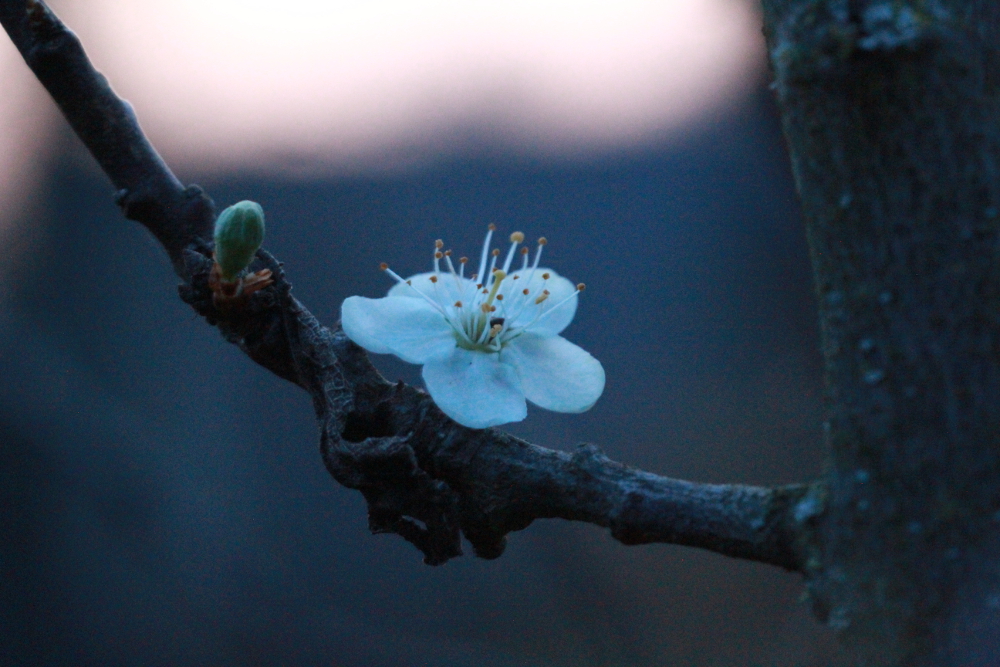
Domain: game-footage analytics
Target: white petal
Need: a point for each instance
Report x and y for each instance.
(559, 288)
(475, 389)
(409, 328)
(447, 290)
(555, 374)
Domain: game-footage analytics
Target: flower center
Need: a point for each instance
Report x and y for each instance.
(486, 314)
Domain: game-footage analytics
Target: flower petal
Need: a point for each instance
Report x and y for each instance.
(555, 374)
(559, 289)
(448, 288)
(409, 328)
(476, 389)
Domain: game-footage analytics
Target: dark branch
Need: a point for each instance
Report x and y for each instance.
(425, 477)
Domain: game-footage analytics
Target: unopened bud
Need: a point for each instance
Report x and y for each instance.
(239, 233)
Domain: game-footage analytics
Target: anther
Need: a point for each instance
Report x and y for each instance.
(517, 237)
(543, 297)
(524, 251)
(491, 227)
(447, 253)
(580, 287)
(496, 252)
(546, 276)
(458, 304)
(463, 260)
(383, 266)
(525, 292)
(438, 255)
(439, 244)
(542, 241)
(493, 309)
(499, 297)
(434, 279)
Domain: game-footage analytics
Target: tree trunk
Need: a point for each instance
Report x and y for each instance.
(891, 117)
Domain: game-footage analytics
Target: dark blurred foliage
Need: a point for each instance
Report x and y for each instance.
(163, 498)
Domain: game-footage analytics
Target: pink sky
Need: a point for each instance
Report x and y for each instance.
(346, 86)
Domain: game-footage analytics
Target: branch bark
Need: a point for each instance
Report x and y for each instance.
(424, 477)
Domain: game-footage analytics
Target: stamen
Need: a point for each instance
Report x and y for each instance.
(461, 269)
(542, 316)
(515, 238)
(439, 244)
(398, 279)
(486, 249)
(524, 255)
(383, 266)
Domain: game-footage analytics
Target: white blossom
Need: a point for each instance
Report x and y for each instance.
(488, 344)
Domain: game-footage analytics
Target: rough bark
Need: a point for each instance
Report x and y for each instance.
(424, 477)
(891, 117)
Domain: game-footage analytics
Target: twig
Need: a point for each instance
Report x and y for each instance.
(425, 477)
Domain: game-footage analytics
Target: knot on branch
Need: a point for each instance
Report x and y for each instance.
(255, 323)
(402, 497)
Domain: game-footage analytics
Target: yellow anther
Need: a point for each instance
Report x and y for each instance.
(541, 298)
(517, 237)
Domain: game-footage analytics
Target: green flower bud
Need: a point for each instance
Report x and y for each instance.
(239, 231)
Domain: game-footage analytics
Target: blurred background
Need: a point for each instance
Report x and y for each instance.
(162, 499)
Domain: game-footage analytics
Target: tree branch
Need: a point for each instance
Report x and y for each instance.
(424, 477)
